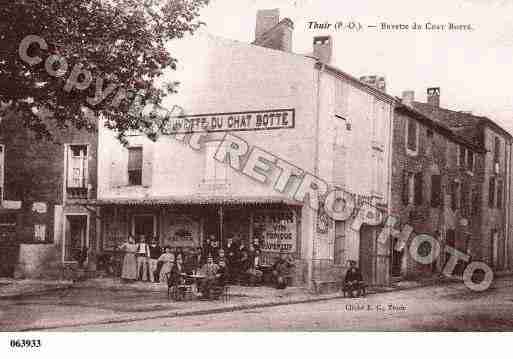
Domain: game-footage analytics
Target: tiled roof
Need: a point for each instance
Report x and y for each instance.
(463, 122)
(456, 135)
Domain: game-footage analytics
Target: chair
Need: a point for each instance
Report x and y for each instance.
(178, 291)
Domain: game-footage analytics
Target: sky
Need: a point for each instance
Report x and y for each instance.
(473, 68)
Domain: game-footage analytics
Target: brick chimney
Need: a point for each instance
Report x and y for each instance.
(433, 96)
(265, 20)
(271, 32)
(323, 48)
(378, 82)
(408, 97)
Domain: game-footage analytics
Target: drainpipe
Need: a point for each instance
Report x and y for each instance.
(316, 167)
(389, 184)
(508, 210)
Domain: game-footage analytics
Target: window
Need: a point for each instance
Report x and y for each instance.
(407, 195)
(436, 191)
(135, 162)
(499, 194)
(463, 153)
(496, 152)
(476, 201)
(215, 171)
(8, 222)
(77, 171)
(418, 184)
(455, 189)
(491, 192)
(1, 173)
(470, 160)
(464, 197)
(412, 137)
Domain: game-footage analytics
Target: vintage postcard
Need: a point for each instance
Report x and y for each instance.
(221, 166)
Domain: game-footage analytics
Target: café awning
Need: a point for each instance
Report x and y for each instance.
(195, 200)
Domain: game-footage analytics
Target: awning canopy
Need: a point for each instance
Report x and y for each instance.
(195, 200)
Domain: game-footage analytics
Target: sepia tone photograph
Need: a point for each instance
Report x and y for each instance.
(255, 166)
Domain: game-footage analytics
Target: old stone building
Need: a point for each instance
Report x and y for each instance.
(44, 220)
(495, 233)
(434, 189)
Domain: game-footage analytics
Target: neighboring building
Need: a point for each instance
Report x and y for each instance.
(45, 186)
(437, 189)
(327, 124)
(496, 231)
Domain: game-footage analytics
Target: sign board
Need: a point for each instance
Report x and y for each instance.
(278, 229)
(231, 121)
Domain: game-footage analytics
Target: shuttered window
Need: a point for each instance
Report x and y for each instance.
(2, 172)
(436, 191)
(411, 135)
(418, 184)
(491, 192)
(135, 162)
(455, 186)
(77, 166)
(499, 194)
(406, 187)
(470, 160)
(463, 154)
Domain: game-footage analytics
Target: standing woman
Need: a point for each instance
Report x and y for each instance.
(129, 271)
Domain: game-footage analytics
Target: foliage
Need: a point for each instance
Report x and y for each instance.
(121, 42)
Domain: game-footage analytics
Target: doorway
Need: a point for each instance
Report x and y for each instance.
(76, 235)
(144, 225)
(397, 259)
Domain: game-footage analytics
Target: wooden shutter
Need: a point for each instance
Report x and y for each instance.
(436, 190)
(491, 192)
(406, 187)
(418, 185)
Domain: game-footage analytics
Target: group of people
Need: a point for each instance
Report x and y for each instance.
(234, 262)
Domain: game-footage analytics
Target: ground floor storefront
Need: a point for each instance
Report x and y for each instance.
(276, 227)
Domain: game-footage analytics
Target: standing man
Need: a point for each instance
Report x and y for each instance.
(155, 252)
(143, 252)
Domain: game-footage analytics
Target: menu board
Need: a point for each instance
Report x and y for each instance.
(277, 229)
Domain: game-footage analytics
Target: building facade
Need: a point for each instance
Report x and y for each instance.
(45, 185)
(435, 190)
(495, 234)
(283, 128)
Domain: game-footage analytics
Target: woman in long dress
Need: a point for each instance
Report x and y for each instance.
(167, 259)
(129, 270)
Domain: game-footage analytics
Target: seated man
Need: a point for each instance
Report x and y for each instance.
(222, 274)
(249, 274)
(281, 271)
(353, 281)
(209, 271)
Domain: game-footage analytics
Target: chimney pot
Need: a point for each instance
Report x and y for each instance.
(323, 48)
(433, 96)
(377, 82)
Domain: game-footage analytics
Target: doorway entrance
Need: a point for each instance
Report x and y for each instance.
(144, 225)
(76, 235)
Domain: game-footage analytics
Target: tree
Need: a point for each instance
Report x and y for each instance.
(62, 61)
